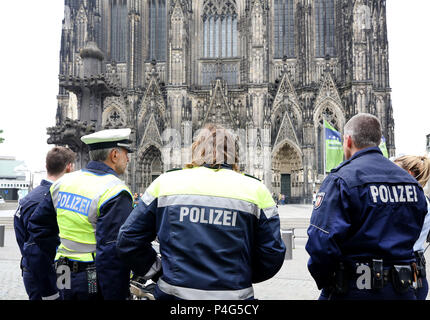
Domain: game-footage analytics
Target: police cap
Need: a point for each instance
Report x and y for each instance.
(110, 138)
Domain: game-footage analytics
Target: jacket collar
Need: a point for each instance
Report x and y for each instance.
(46, 183)
(100, 168)
(359, 154)
(365, 151)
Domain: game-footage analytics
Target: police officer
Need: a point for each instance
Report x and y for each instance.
(366, 219)
(90, 205)
(59, 160)
(218, 230)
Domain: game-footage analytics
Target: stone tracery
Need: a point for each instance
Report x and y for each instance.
(240, 80)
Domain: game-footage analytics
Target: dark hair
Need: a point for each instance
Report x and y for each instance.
(365, 130)
(58, 158)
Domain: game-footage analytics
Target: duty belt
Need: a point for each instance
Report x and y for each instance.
(384, 275)
(375, 275)
(75, 266)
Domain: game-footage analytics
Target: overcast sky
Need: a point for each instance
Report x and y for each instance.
(31, 34)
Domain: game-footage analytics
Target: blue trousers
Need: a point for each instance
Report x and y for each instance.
(31, 286)
(421, 293)
(79, 288)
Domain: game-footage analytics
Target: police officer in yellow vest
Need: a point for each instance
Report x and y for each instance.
(89, 206)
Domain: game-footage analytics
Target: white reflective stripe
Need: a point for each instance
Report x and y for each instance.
(69, 253)
(53, 297)
(270, 212)
(92, 215)
(55, 187)
(196, 294)
(154, 269)
(147, 198)
(54, 193)
(78, 247)
(209, 201)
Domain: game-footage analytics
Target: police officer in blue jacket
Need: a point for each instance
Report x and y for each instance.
(366, 219)
(85, 209)
(59, 160)
(218, 229)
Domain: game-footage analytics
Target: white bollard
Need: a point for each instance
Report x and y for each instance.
(288, 238)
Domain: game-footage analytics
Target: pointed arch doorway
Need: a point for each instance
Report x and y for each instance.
(287, 168)
(150, 167)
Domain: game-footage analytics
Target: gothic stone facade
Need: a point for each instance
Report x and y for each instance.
(271, 69)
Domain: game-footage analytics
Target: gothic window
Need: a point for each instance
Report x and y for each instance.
(119, 16)
(157, 30)
(228, 71)
(324, 26)
(209, 71)
(284, 28)
(220, 29)
(220, 41)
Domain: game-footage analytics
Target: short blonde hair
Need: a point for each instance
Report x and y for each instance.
(215, 146)
(418, 166)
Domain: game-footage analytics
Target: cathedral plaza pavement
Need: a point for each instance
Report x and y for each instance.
(292, 282)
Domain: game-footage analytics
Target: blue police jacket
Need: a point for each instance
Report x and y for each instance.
(26, 207)
(112, 274)
(219, 232)
(367, 208)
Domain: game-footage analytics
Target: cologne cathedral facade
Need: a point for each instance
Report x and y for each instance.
(270, 70)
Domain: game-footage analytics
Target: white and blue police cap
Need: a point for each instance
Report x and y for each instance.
(110, 138)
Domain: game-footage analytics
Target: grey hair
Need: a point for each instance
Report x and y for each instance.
(365, 130)
(101, 154)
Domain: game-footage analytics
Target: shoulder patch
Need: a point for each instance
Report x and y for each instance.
(319, 200)
(248, 175)
(175, 169)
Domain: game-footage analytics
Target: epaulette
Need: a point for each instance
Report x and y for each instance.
(248, 175)
(175, 169)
